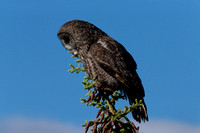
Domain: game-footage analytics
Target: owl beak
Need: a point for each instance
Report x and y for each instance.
(70, 48)
(75, 52)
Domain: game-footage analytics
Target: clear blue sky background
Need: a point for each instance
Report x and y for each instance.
(162, 35)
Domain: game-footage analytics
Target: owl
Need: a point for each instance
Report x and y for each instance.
(106, 60)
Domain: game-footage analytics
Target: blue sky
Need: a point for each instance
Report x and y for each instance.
(163, 36)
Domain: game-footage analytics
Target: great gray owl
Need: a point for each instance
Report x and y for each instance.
(104, 59)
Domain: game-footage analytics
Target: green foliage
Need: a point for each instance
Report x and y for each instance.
(108, 119)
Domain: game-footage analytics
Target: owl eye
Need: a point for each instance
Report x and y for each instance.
(66, 39)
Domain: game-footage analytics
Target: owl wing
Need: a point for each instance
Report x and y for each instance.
(117, 62)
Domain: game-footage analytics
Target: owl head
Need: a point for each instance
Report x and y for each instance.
(78, 35)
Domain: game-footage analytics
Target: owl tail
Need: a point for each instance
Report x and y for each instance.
(141, 112)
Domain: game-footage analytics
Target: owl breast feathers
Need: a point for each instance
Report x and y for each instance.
(104, 59)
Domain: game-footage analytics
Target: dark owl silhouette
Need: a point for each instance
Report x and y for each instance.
(104, 59)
